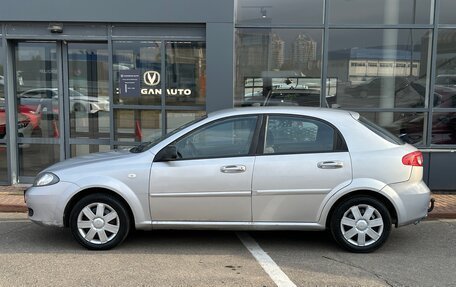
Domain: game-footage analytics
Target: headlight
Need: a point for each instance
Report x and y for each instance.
(46, 178)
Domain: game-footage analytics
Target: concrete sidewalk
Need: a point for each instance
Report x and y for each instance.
(12, 200)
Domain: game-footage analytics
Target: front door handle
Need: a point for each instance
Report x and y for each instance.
(233, 168)
(333, 164)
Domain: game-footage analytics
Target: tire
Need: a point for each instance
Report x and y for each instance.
(103, 222)
(79, 108)
(348, 228)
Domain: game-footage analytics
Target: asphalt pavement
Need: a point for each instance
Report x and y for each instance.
(415, 255)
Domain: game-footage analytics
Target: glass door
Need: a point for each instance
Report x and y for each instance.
(87, 88)
(38, 106)
(62, 103)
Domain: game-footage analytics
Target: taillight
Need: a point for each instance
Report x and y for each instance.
(414, 159)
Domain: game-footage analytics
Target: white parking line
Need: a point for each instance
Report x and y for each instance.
(266, 262)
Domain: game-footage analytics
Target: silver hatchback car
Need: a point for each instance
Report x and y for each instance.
(259, 168)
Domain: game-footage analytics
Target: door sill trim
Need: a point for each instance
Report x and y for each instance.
(236, 225)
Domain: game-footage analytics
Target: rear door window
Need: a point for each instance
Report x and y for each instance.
(294, 134)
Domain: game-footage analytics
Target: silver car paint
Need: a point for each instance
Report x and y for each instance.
(128, 174)
(113, 171)
(295, 190)
(225, 197)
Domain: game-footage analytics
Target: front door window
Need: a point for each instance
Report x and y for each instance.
(228, 138)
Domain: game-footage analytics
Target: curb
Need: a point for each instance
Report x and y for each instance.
(446, 215)
(13, 208)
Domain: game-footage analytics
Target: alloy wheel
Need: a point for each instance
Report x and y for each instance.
(362, 225)
(98, 223)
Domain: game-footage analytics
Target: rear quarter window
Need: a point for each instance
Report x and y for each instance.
(381, 132)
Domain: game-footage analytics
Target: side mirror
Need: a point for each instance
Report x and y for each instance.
(169, 153)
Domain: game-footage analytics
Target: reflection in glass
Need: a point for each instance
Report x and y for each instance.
(274, 61)
(407, 126)
(33, 158)
(80, 150)
(37, 90)
(283, 12)
(379, 68)
(444, 128)
(380, 12)
(286, 134)
(137, 125)
(2, 100)
(447, 8)
(3, 163)
(185, 73)
(135, 59)
(226, 138)
(88, 90)
(445, 81)
(175, 119)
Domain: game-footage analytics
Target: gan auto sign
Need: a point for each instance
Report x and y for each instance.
(130, 84)
(152, 79)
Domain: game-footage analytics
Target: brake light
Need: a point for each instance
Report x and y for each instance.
(414, 159)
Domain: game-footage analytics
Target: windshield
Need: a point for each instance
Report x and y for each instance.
(147, 145)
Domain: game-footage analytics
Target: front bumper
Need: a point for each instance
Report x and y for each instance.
(47, 203)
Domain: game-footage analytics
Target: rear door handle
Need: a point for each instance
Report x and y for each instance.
(333, 164)
(233, 168)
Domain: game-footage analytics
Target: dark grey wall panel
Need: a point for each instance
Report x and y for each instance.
(171, 11)
(220, 68)
(426, 158)
(33, 29)
(442, 171)
(168, 31)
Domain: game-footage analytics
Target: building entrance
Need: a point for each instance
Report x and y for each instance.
(62, 103)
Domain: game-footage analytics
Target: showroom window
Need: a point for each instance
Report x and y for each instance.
(443, 121)
(376, 61)
(158, 86)
(380, 12)
(271, 62)
(447, 8)
(3, 150)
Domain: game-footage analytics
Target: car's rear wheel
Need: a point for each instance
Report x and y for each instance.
(361, 224)
(79, 107)
(99, 222)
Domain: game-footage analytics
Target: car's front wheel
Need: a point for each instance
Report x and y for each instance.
(99, 222)
(361, 224)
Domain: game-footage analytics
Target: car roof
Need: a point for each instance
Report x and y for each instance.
(309, 111)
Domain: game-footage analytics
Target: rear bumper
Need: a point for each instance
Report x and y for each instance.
(431, 205)
(412, 201)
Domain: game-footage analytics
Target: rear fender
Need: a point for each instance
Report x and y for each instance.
(362, 184)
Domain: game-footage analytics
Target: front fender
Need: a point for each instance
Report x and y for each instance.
(137, 201)
(361, 184)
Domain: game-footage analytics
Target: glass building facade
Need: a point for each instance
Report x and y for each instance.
(95, 82)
